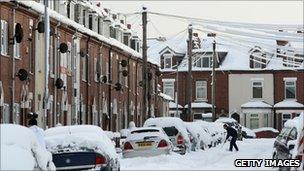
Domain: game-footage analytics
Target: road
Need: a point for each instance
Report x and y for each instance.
(218, 158)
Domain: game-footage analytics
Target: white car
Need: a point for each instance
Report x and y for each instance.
(146, 141)
(176, 131)
(81, 147)
(20, 150)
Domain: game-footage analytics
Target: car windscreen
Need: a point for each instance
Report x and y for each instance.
(285, 131)
(144, 130)
(170, 131)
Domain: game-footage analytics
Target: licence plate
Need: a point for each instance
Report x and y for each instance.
(144, 144)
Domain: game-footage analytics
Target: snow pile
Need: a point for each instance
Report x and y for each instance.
(217, 158)
(265, 129)
(249, 132)
(79, 138)
(169, 122)
(172, 105)
(165, 96)
(289, 104)
(19, 142)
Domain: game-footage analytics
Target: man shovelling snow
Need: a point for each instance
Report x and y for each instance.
(231, 132)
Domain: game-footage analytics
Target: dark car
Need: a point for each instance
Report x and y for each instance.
(81, 147)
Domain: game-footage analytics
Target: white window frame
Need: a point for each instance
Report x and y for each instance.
(4, 38)
(294, 80)
(171, 81)
(203, 86)
(257, 86)
(84, 69)
(168, 56)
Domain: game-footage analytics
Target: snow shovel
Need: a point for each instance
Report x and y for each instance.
(223, 144)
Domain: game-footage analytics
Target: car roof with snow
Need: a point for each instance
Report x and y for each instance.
(141, 133)
(297, 122)
(169, 122)
(226, 120)
(76, 137)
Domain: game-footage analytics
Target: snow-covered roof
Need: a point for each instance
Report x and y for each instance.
(172, 104)
(288, 104)
(38, 7)
(256, 104)
(165, 96)
(265, 129)
(199, 105)
(206, 115)
(238, 52)
(76, 137)
(225, 120)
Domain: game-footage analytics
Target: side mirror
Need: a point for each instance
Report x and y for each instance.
(18, 33)
(63, 47)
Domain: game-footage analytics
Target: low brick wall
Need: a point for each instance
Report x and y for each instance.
(266, 134)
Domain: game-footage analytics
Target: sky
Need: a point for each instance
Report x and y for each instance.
(264, 12)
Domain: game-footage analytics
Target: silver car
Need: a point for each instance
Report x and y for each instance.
(146, 141)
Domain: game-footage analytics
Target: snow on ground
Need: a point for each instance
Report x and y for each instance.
(218, 158)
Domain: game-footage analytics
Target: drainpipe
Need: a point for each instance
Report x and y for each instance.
(75, 115)
(99, 89)
(129, 87)
(88, 79)
(109, 89)
(12, 119)
(274, 101)
(56, 70)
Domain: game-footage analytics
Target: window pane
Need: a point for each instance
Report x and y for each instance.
(265, 120)
(254, 121)
(206, 62)
(167, 62)
(290, 92)
(257, 92)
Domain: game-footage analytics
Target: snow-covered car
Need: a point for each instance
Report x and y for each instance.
(20, 150)
(215, 130)
(201, 138)
(232, 123)
(176, 131)
(81, 147)
(146, 141)
(123, 135)
(289, 143)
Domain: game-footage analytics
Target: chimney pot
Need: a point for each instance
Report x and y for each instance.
(129, 26)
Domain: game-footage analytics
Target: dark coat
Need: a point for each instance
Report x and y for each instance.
(231, 132)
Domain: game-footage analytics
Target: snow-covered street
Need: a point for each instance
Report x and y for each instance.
(218, 158)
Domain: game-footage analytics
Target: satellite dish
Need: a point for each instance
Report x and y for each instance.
(125, 73)
(158, 73)
(18, 33)
(118, 86)
(63, 47)
(40, 27)
(124, 63)
(22, 74)
(104, 79)
(82, 53)
(59, 83)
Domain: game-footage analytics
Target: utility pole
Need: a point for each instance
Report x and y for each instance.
(144, 70)
(213, 82)
(189, 78)
(46, 62)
